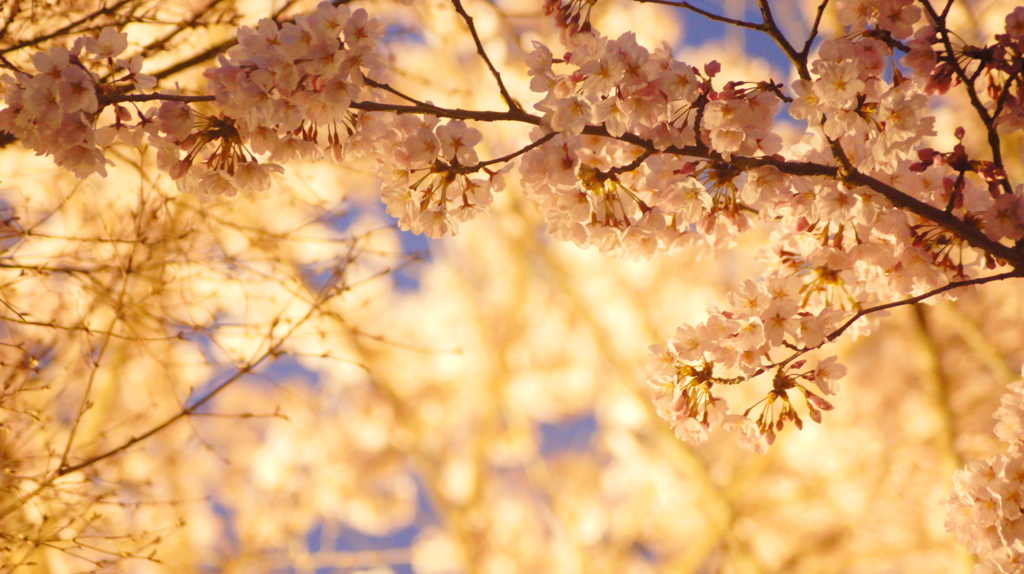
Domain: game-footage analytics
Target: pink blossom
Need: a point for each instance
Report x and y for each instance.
(457, 141)
(77, 91)
(421, 146)
(750, 435)
(175, 120)
(898, 16)
(436, 223)
(51, 62)
(826, 374)
(255, 176)
(921, 58)
(570, 115)
(109, 44)
(856, 13)
(1010, 415)
(134, 69)
(838, 83)
(984, 510)
(1006, 216)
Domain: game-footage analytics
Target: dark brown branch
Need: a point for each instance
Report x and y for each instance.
(1015, 274)
(505, 95)
(387, 88)
(640, 159)
(772, 29)
(924, 296)
(452, 113)
(509, 157)
(118, 98)
(815, 27)
(987, 118)
(951, 223)
(709, 15)
(847, 173)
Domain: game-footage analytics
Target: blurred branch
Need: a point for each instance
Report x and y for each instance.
(967, 327)
(212, 52)
(72, 28)
(274, 348)
(941, 386)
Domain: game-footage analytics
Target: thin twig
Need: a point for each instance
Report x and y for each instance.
(815, 27)
(505, 95)
(924, 296)
(892, 305)
(505, 158)
(709, 15)
(772, 29)
(987, 118)
(156, 96)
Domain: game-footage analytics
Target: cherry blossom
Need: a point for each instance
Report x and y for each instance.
(877, 197)
(985, 507)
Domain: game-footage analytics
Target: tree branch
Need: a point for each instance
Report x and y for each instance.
(892, 305)
(272, 350)
(1015, 274)
(987, 118)
(505, 95)
(815, 27)
(772, 29)
(709, 15)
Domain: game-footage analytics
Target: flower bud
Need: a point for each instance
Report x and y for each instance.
(819, 402)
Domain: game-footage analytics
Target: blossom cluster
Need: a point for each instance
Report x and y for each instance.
(979, 190)
(738, 341)
(285, 92)
(1006, 58)
(849, 98)
(596, 190)
(425, 168)
(575, 183)
(54, 111)
(843, 245)
(986, 508)
(896, 17)
(634, 152)
(281, 94)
